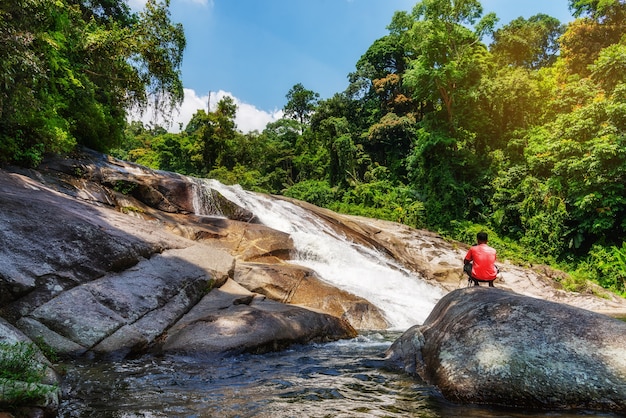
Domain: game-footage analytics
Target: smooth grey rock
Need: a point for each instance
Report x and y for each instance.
(491, 346)
(234, 320)
(301, 286)
(112, 312)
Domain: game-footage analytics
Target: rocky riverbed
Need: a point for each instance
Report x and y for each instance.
(102, 258)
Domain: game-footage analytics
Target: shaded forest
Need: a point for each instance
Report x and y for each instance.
(451, 122)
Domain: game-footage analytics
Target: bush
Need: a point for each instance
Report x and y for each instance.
(21, 374)
(605, 266)
(317, 192)
(382, 199)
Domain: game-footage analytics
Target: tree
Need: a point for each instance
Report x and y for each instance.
(32, 43)
(70, 69)
(300, 103)
(334, 126)
(609, 70)
(510, 100)
(450, 58)
(441, 178)
(389, 142)
(598, 9)
(129, 60)
(158, 55)
(600, 23)
(106, 12)
(446, 69)
(531, 43)
(282, 138)
(386, 56)
(213, 136)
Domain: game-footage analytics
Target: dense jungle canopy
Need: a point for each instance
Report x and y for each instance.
(449, 123)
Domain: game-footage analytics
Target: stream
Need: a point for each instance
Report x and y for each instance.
(347, 378)
(339, 379)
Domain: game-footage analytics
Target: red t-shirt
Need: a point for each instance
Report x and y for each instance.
(483, 258)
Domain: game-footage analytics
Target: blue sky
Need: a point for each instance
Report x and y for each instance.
(256, 50)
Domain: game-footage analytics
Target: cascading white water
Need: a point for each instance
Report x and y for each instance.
(405, 298)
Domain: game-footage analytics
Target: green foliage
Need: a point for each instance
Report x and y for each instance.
(449, 60)
(389, 141)
(544, 217)
(436, 129)
(596, 9)
(531, 43)
(605, 266)
(382, 200)
(18, 362)
(317, 192)
(124, 187)
(213, 137)
(386, 55)
(311, 158)
(446, 179)
(609, 70)
(601, 26)
(69, 71)
(21, 374)
(300, 103)
(248, 179)
(48, 352)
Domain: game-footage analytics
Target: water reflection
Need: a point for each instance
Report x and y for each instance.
(341, 379)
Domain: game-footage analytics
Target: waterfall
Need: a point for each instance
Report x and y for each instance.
(404, 298)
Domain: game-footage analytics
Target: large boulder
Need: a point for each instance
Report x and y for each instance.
(491, 346)
(52, 242)
(125, 312)
(232, 320)
(249, 242)
(96, 177)
(102, 257)
(301, 286)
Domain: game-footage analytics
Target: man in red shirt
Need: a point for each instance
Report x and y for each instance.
(480, 261)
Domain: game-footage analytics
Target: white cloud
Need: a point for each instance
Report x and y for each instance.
(247, 119)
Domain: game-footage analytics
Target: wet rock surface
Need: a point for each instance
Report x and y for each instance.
(491, 346)
(106, 258)
(440, 261)
(102, 258)
(241, 321)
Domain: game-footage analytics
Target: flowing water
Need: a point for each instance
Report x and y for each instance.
(405, 298)
(339, 379)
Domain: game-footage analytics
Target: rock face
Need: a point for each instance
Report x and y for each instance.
(106, 258)
(440, 261)
(241, 321)
(490, 346)
(124, 312)
(300, 286)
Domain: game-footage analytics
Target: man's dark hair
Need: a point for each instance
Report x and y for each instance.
(481, 237)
